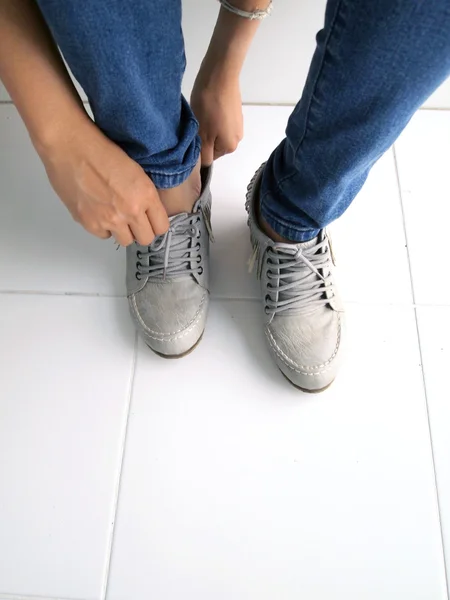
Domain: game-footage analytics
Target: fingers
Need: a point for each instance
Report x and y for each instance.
(136, 216)
(207, 154)
(154, 212)
(142, 231)
(159, 222)
(148, 219)
(103, 234)
(157, 216)
(123, 236)
(218, 153)
(225, 146)
(211, 151)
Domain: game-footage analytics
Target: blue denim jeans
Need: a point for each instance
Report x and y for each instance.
(128, 56)
(375, 63)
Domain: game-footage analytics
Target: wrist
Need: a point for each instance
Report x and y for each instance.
(248, 9)
(219, 70)
(51, 138)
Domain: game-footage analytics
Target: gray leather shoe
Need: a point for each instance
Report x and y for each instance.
(303, 316)
(168, 281)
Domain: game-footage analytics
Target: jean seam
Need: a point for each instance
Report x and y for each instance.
(313, 90)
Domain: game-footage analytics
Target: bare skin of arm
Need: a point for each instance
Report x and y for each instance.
(216, 98)
(104, 190)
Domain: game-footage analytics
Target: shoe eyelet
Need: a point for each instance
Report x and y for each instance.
(198, 247)
(267, 298)
(138, 265)
(139, 254)
(138, 276)
(200, 271)
(199, 259)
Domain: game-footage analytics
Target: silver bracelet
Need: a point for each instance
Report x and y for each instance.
(259, 15)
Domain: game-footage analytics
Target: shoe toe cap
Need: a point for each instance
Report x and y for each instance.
(307, 350)
(170, 317)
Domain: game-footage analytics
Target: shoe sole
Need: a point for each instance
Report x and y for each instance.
(304, 389)
(176, 356)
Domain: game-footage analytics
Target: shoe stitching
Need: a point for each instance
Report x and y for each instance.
(298, 368)
(171, 336)
(176, 338)
(292, 368)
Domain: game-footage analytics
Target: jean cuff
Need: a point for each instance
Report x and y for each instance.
(166, 179)
(284, 228)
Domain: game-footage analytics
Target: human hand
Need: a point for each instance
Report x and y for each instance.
(104, 190)
(216, 102)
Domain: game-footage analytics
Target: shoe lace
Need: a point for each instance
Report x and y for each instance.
(173, 254)
(298, 278)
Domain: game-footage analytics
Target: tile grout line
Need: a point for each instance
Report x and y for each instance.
(5, 596)
(423, 371)
(59, 293)
(105, 584)
(26, 597)
(294, 104)
(100, 295)
(263, 104)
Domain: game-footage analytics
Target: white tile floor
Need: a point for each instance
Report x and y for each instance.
(126, 476)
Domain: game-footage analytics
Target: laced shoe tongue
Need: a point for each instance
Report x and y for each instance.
(299, 271)
(308, 245)
(176, 243)
(287, 253)
(295, 270)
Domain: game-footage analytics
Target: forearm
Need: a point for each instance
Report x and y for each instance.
(34, 74)
(231, 39)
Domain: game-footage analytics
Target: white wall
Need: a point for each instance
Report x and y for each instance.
(279, 59)
(278, 63)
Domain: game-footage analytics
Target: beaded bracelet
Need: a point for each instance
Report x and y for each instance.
(259, 15)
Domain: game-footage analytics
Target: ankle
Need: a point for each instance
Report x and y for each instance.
(183, 197)
(267, 229)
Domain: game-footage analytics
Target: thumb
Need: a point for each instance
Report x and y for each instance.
(207, 153)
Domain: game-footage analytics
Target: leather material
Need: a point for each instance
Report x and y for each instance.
(305, 344)
(307, 348)
(170, 313)
(170, 317)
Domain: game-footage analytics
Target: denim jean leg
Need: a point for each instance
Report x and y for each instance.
(375, 64)
(128, 55)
